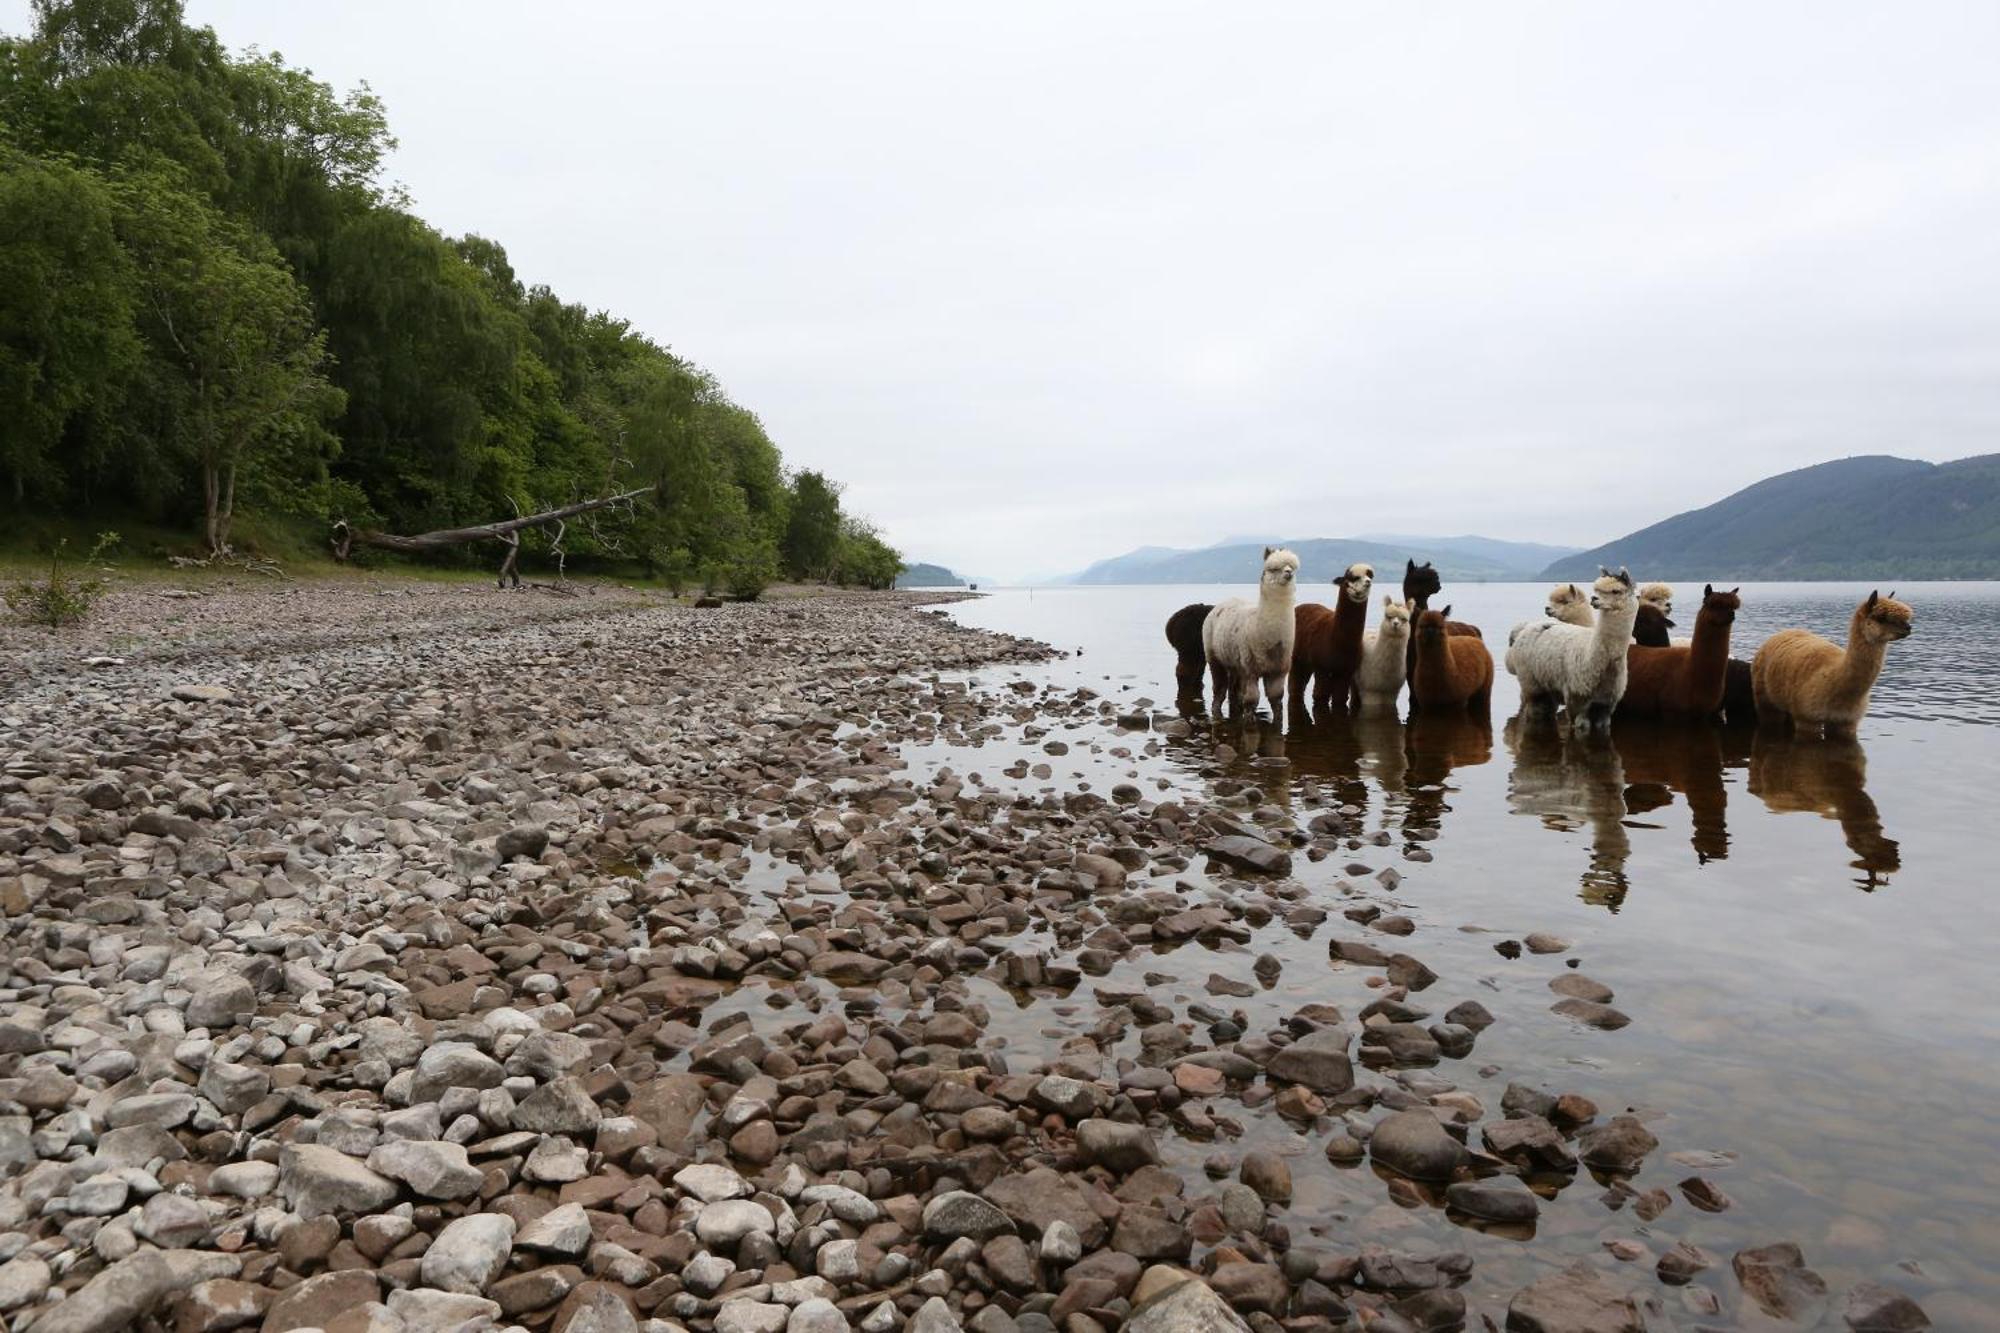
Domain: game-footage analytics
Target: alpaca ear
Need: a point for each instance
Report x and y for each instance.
(1870, 603)
(1624, 577)
(1409, 566)
(1267, 553)
(1446, 613)
(1707, 590)
(1892, 594)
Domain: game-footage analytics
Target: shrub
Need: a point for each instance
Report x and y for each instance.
(62, 598)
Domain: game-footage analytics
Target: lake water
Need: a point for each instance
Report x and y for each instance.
(1800, 931)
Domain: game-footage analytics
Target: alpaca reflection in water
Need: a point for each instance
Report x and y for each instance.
(1574, 783)
(1829, 777)
(1409, 765)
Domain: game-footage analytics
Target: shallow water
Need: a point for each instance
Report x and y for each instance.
(1799, 931)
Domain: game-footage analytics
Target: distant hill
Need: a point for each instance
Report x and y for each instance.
(1873, 517)
(1463, 559)
(928, 576)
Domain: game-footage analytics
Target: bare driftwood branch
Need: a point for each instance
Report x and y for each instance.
(345, 537)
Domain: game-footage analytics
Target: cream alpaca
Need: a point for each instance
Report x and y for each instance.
(1384, 657)
(1247, 642)
(1660, 595)
(1801, 678)
(1569, 604)
(1582, 668)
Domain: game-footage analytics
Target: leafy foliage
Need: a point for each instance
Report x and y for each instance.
(210, 300)
(62, 598)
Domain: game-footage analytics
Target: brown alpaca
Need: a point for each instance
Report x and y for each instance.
(1800, 678)
(1326, 645)
(1650, 629)
(1685, 681)
(1420, 584)
(1184, 633)
(1453, 670)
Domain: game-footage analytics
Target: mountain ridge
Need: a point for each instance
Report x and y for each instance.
(1863, 517)
(1462, 559)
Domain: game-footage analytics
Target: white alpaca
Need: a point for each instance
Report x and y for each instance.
(1569, 604)
(1384, 659)
(1660, 595)
(1582, 668)
(1250, 641)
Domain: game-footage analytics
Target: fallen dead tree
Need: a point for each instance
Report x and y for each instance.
(506, 531)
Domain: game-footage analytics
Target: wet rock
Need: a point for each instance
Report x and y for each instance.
(1575, 1300)
(1318, 1060)
(1591, 1015)
(1875, 1308)
(1250, 854)
(1115, 1145)
(1620, 1145)
(1776, 1278)
(1577, 986)
(1679, 1265)
(1250, 1287)
(1543, 943)
(1414, 1144)
(1267, 1174)
(1528, 1141)
(1039, 1198)
(1498, 1199)
(1704, 1195)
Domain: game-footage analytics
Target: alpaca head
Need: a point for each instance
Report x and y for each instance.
(1281, 569)
(1395, 618)
(1420, 582)
(1430, 624)
(1721, 607)
(1883, 619)
(1660, 595)
(1612, 597)
(1569, 604)
(1356, 582)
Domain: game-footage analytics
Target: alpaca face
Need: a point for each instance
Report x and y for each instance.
(1395, 619)
(1356, 582)
(1884, 619)
(1612, 594)
(1430, 624)
(1420, 582)
(1722, 606)
(1564, 602)
(1660, 595)
(1281, 568)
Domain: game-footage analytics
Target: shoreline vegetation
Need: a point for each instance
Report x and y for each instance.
(221, 323)
(605, 959)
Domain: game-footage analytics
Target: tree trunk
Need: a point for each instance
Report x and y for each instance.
(345, 537)
(211, 497)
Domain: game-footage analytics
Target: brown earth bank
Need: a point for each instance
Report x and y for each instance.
(407, 956)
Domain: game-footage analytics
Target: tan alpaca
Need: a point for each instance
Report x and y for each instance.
(1799, 677)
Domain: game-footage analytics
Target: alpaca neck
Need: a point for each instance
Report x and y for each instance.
(1349, 616)
(1613, 631)
(1862, 663)
(1708, 657)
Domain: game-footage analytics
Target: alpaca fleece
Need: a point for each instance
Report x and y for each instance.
(1650, 628)
(1583, 669)
(1326, 645)
(1247, 642)
(1803, 679)
(1184, 634)
(1384, 663)
(1453, 670)
(1684, 681)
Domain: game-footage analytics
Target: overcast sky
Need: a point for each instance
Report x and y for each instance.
(1041, 283)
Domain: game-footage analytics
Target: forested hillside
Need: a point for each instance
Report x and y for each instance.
(211, 303)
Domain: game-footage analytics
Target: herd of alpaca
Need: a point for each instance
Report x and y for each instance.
(1593, 654)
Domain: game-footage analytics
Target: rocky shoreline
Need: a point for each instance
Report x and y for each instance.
(399, 957)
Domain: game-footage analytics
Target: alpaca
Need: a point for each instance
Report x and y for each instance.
(1246, 641)
(1574, 784)
(1663, 759)
(1799, 677)
(1453, 670)
(1659, 595)
(1184, 633)
(1326, 645)
(1649, 630)
(1829, 777)
(1684, 681)
(1384, 670)
(1571, 605)
(1739, 695)
(1582, 668)
(1420, 584)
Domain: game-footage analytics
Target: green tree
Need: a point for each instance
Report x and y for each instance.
(812, 529)
(235, 334)
(67, 343)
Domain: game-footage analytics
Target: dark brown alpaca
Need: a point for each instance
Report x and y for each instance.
(1420, 584)
(1326, 644)
(1184, 633)
(1739, 695)
(1684, 681)
(1453, 670)
(1650, 629)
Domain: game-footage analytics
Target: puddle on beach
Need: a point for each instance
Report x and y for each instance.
(1796, 929)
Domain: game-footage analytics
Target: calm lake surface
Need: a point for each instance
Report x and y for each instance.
(1803, 933)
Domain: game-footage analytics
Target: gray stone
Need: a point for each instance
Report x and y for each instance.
(730, 1220)
(959, 1213)
(1575, 1300)
(1115, 1145)
(1875, 1308)
(117, 1298)
(1251, 854)
(818, 1315)
(316, 1180)
(24, 1279)
(434, 1170)
(560, 1106)
(746, 1316)
(1777, 1279)
(563, 1230)
(1619, 1145)
(1414, 1143)
(711, 1183)
(221, 1002)
(933, 1316)
(453, 1064)
(1179, 1303)
(469, 1253)
(1499, 1199)
(1318, 1061)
